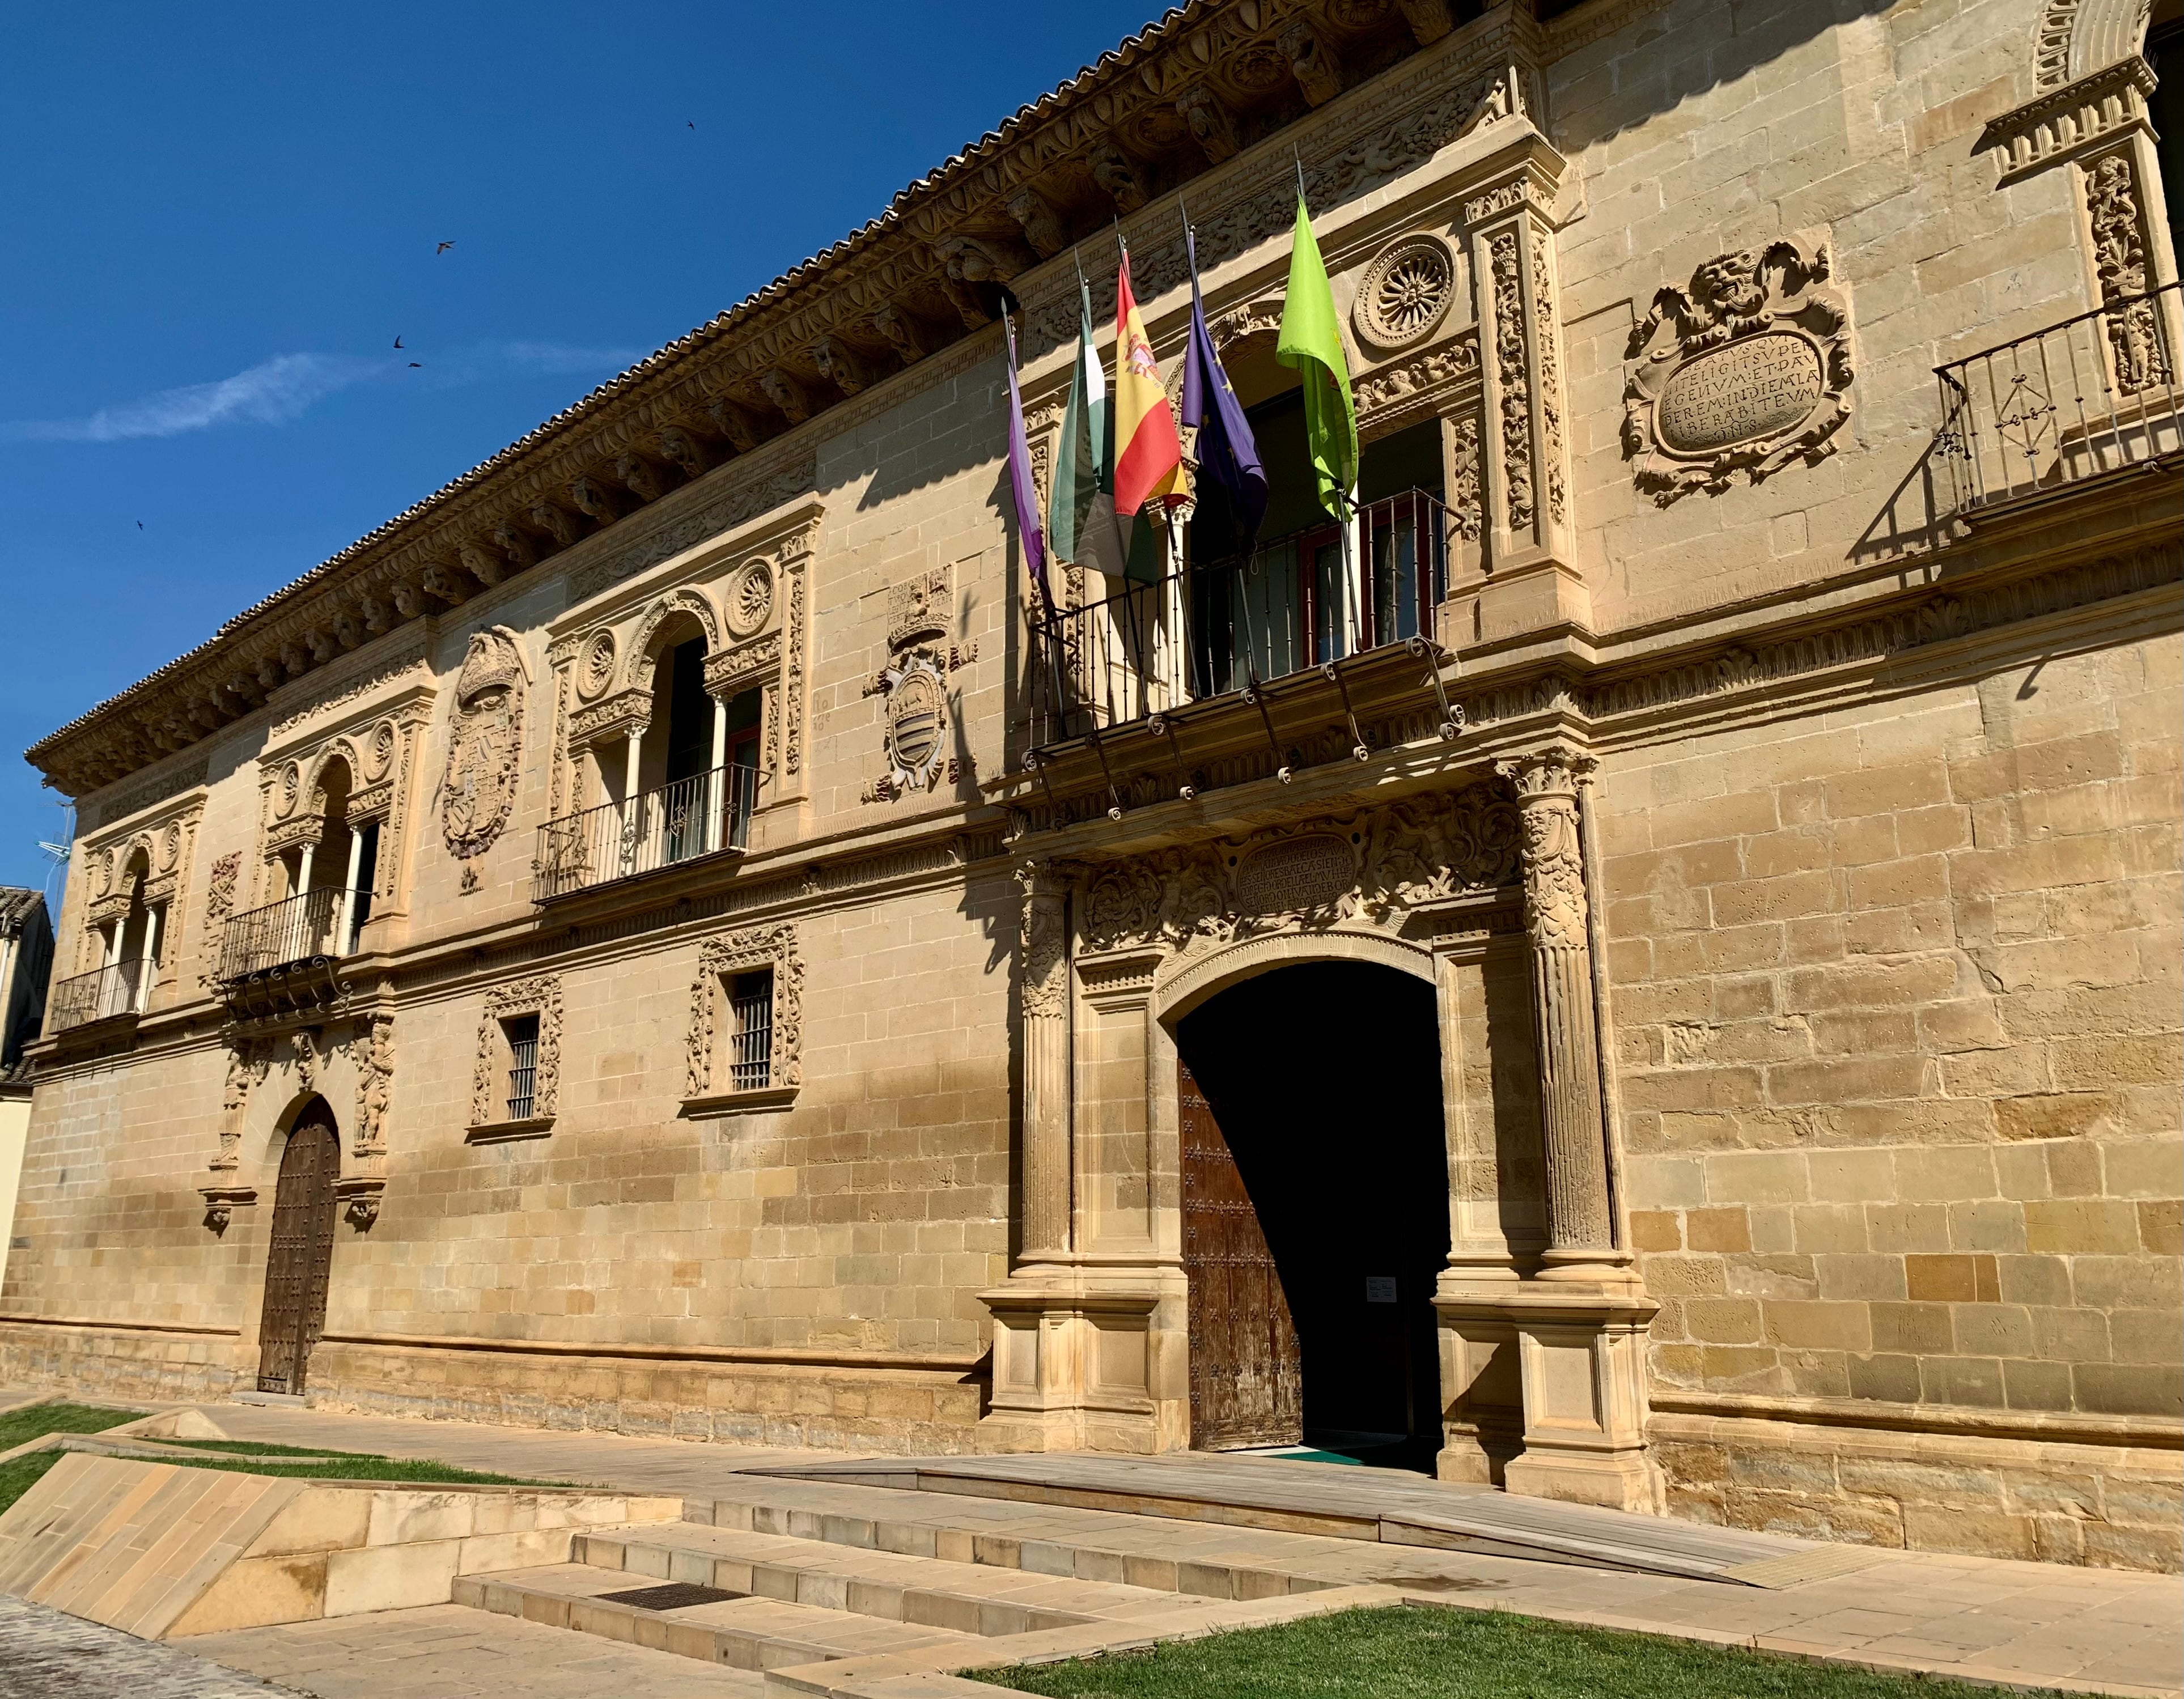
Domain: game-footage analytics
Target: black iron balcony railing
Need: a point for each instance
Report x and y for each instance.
(1222, 626)
(2092, 396)
(117, 990)
(306, 926)
(693, 817)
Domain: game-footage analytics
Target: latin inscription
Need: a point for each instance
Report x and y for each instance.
(1287, 878)
(1761, 386)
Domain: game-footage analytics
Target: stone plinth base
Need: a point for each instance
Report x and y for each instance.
(1081, 1362)
(1558, 1366)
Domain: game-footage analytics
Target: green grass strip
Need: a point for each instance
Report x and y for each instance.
(18, 1426)
(246, 1456)
(1422, 1653)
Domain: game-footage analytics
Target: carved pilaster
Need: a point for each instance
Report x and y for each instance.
(1528, 522)
(1581, 1229)
(1044, 959)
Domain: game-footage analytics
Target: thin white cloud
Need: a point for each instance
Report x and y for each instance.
(272, 392)
(282, 389)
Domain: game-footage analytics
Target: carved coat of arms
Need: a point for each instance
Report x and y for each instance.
(485, 745)
(1738, 375)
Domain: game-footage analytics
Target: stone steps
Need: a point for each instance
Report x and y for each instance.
(751, 1633)
(928, 1590)
(1207, 1563)
(849, 1618)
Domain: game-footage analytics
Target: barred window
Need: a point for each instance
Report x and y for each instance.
(522, 1033)
(751, 1031)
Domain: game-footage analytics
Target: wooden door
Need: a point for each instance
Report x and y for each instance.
(301, 1256)
(1246, 1376)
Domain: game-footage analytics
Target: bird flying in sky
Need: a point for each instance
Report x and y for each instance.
(397, 342)
(442, 248)
(416, 365)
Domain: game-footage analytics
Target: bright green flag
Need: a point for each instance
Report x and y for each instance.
(1311, 340)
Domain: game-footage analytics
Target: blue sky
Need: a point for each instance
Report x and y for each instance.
(219, 218)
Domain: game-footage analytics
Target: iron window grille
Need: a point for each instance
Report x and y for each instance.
(523, 1033)
(750, 1019)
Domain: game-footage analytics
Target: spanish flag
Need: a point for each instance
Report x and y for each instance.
(1148, 454)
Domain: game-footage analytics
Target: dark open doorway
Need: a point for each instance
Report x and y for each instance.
(1321, 1082)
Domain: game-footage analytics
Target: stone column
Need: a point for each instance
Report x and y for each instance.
(1581, 1325)
(1045, 961)
(1580, 1220)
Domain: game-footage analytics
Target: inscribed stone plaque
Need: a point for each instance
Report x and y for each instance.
(1761, 386)
(1302, 873)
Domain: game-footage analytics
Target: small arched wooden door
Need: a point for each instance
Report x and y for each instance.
(301, 1256)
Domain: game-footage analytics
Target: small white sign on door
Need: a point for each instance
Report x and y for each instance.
(1380, 1288)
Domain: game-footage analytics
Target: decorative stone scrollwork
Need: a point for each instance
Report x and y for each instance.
(741, 952)
(485, 750)
(1371, 869)
(688, 600)
(2118, 231)
(540, 996)
(1406, 292)
(1738, 376)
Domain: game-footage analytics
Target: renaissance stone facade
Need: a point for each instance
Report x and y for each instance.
(1644, 971)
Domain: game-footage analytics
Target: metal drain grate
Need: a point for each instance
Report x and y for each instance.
(672, 1596)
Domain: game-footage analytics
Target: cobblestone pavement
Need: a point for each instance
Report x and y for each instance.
(47, 1654)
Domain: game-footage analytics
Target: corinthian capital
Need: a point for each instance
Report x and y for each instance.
(1554, 772)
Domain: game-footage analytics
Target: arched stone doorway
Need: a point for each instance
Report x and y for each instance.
(1315, 1212)
(300, 1257)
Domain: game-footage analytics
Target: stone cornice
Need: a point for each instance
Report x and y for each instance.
(1178, 98)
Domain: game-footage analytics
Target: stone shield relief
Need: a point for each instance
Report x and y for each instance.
(1737, 374)
(485, 745)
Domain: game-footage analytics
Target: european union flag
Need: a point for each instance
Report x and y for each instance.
(1226, 451)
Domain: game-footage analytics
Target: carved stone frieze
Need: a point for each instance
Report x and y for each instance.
(539, 995)
(1414, 385)
(620, 713)
(1513, 368)
(1744, 371)
(742, 952)
(485, 744)
(1372, 869)
(741, 667)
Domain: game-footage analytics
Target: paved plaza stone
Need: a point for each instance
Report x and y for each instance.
(1984, 1619)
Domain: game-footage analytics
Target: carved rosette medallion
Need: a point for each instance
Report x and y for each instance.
(750, 599)
(1406, 292)
(1738, 375)
(485, 746)
(595, 665)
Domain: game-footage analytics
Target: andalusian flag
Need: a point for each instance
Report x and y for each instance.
(1148, 454)
(1080, 513)
(1311, 340)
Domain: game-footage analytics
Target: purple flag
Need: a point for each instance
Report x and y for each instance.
(1227, 452)
(1020, 483)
